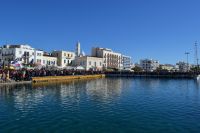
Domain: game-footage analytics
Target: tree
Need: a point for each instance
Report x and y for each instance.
(137, 69)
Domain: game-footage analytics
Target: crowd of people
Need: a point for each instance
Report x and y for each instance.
(26, 75)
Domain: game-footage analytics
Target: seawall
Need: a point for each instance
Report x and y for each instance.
(153, 76)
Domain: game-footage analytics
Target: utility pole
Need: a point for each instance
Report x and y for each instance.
(187, 54)
(196, 55)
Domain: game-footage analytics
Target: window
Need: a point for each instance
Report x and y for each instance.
(39, 54)
(64, 61)
(26, 53)
(20, 52)
(90, 63)
(100, 63)
(38, 60)
(43, 61)
(64, 54)
(95, 64)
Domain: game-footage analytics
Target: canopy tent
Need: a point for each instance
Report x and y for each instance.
(80, 68)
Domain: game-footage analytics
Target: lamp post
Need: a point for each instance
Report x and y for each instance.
(187, 54)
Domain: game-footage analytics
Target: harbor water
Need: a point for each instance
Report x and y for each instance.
(107, 105)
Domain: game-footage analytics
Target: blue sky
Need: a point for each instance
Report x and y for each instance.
(158, 29)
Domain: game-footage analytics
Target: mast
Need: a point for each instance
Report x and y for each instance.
(196, 54)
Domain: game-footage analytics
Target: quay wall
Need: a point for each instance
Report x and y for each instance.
(152, 76)
(64, 78)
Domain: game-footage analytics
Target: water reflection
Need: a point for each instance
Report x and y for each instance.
(123, 104)
(28, 97)
(104, 89)
(148, 83)
(197, 83)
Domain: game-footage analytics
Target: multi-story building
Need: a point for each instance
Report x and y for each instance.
(110, 59)
(89, 63)
(38, 57)
(149, 65)
(49, 60)
(25, 55)
(22, 53)
(126, 62)
(65, 58)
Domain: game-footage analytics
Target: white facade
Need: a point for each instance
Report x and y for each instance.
(38, 57)
(65, 58)
(126, 62)
(149, 65)
(25, 55)
(110, 59)
(168, 67)
(89, 63)
(49, 61)
(182, 66)
(22, 53)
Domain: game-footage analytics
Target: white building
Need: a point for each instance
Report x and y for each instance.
(25, 55)
(126, 62)
(182, 66)
(89, 63)
(149, 65)
(110, 59)
(65, 58)
(38, 59)
(22, 53)
(168, 67)
(49, 61)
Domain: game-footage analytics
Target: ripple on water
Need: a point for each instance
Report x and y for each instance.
(103, 105)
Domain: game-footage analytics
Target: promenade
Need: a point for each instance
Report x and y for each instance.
(37, 76)
(24, 76)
